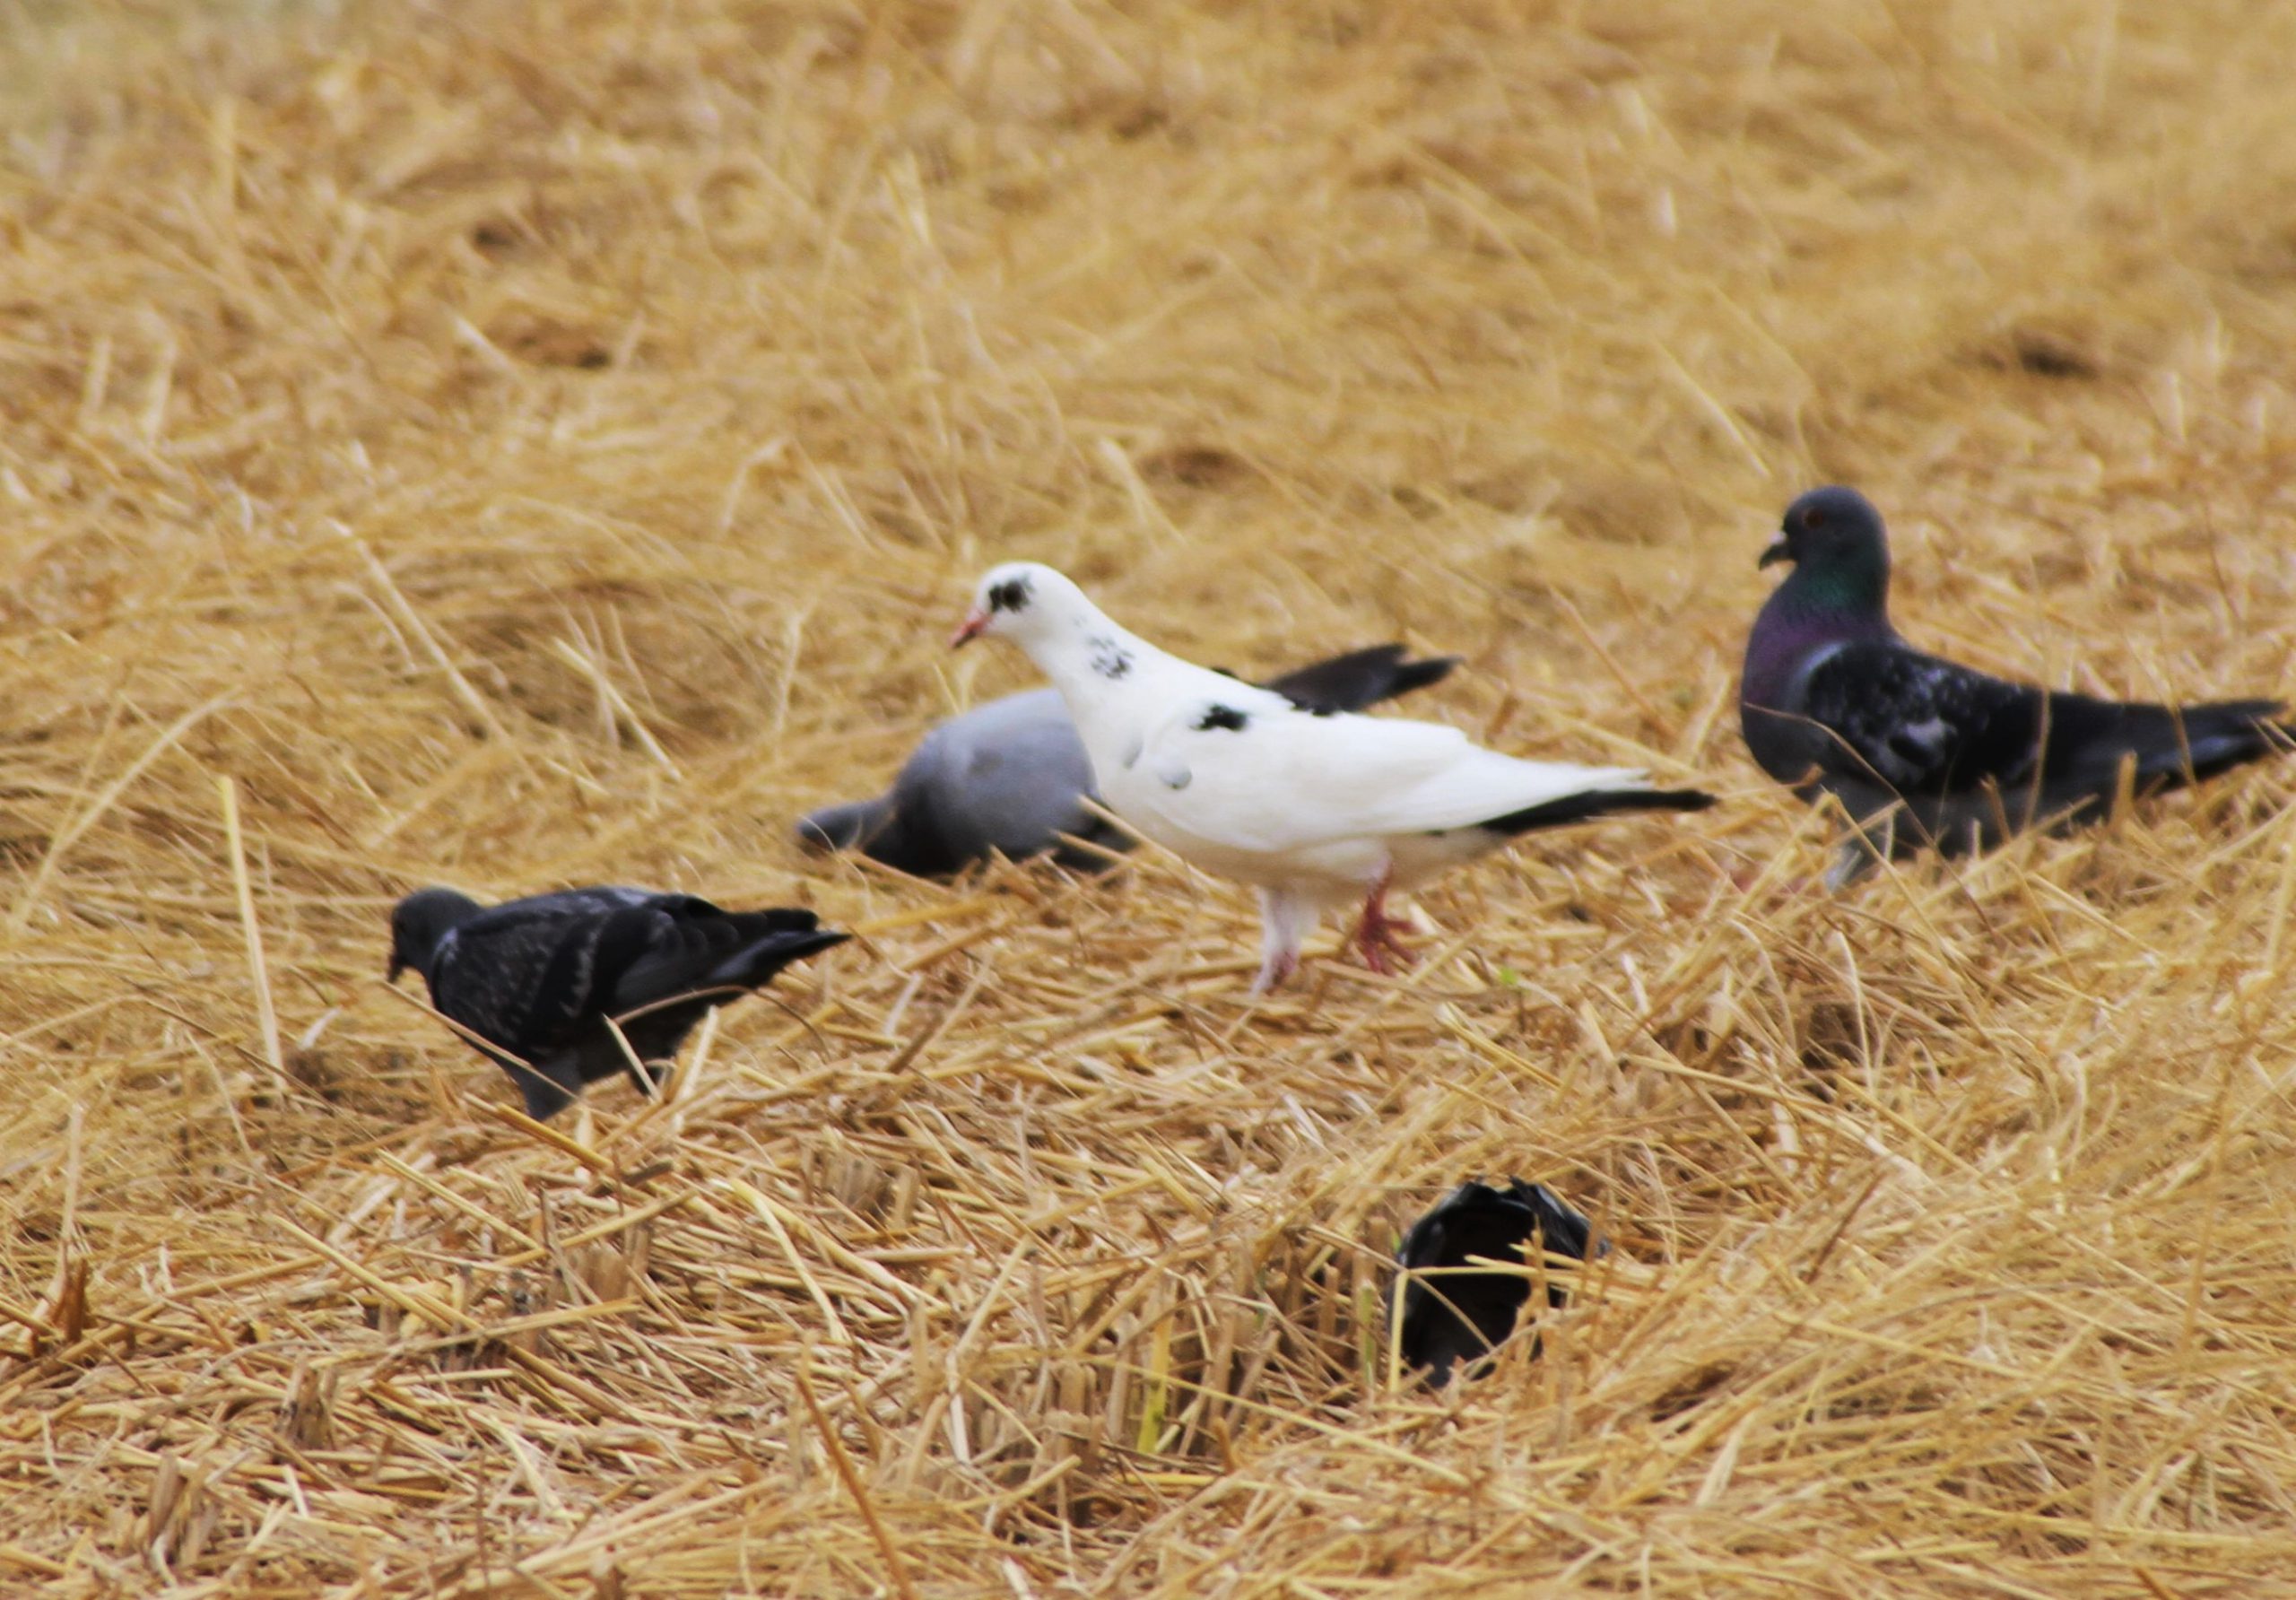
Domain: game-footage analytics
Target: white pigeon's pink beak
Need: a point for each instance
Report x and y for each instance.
(975, 625)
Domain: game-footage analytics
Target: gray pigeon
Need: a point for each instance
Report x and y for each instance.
(1454, 1315)
(1012, 777)
(538, 978)
(1922, 751)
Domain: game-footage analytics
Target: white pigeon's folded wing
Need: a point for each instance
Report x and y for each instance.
(1275, 779)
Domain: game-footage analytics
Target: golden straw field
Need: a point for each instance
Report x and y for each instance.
(514, 444)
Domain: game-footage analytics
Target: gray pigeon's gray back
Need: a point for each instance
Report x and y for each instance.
(1009, 776)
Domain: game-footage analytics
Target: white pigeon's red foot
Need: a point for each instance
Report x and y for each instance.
(1375, 935)
(1273, 972)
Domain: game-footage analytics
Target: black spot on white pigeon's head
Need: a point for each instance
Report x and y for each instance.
(1029, 604)
(420, 921)
(1009, 593)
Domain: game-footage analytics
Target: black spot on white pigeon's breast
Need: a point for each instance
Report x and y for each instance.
(1219, 717)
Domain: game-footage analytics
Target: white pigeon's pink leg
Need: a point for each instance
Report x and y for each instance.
(1284, 919)
(1375, 935)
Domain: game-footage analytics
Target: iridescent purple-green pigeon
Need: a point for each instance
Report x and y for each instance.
(1921, 752)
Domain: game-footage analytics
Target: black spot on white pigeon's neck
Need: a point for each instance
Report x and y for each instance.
(1090, 656)
(1108, 658)
(1103, 674)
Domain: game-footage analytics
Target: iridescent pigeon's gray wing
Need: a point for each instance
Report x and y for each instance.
(1010, 777)
(1959, 758)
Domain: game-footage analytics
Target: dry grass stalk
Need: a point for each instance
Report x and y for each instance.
(515, 444)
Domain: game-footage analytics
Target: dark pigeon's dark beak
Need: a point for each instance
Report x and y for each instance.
(975, 625)
(1778, 551)
(397, 966)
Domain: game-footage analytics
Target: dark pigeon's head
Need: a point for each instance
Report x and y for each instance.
(847, 827)
(1831, 526)
(420, 921)
(1834, 539)
(1463, 1312)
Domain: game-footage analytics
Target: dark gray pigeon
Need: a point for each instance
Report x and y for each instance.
(1922, 751)
(1461, 1316)
(536, 978)
(1012, 777)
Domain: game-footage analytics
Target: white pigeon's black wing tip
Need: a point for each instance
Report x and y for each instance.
(1598, 803)
(1359, 679)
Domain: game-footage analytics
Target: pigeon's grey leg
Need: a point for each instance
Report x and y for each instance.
(1860, 854)
(645, 1076)
(1872, 839)
(602, 1056)
(1375, 935)
(1284, 919)
(548, 1086)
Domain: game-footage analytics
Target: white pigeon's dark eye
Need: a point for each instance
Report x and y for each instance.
(1011, 595)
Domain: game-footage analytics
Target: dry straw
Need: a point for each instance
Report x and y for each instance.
(515, 444)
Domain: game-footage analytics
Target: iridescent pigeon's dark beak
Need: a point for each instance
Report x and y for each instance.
(1778, 551)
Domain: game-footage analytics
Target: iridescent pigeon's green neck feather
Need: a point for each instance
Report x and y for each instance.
(1855, 582)
(1820, 603)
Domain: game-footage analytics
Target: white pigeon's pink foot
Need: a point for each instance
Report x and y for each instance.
(1375, 935)
(1284, 919)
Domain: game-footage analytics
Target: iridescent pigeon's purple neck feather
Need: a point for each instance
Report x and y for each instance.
(1805, 614)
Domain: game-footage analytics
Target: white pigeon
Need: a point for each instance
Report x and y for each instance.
(1311, 810)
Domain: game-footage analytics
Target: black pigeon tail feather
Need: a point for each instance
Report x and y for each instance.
(2204, 740)
(1598, 803)
(1462, 1316)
